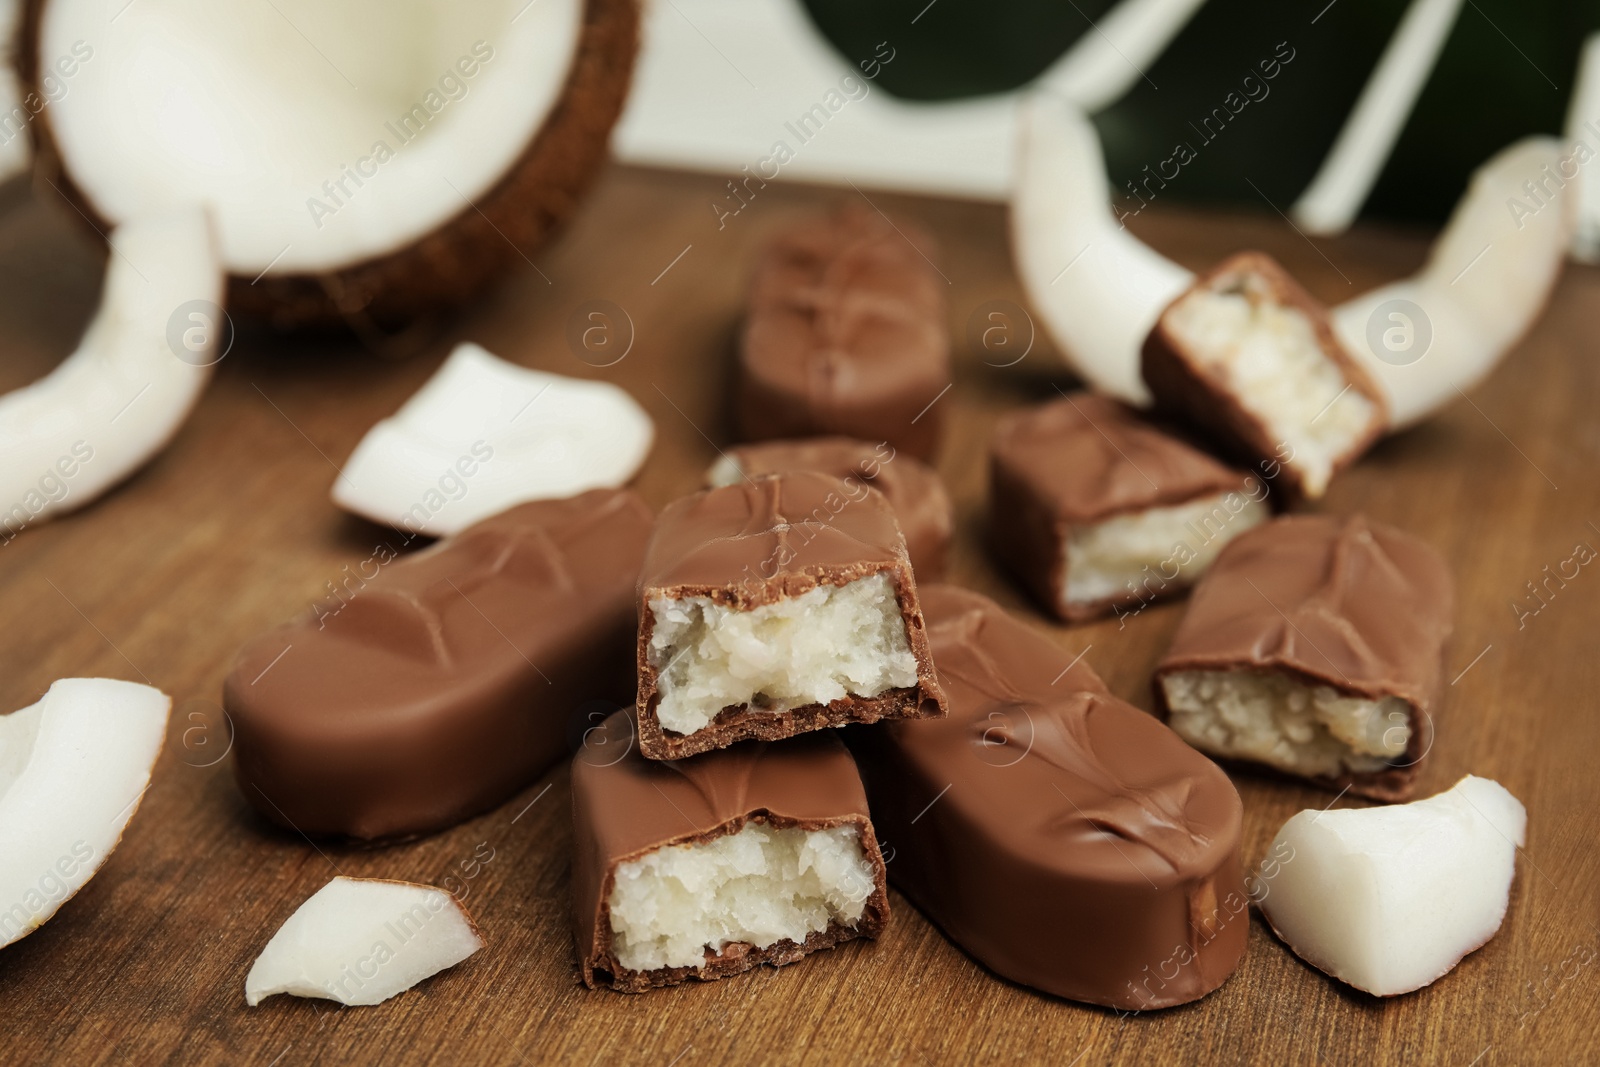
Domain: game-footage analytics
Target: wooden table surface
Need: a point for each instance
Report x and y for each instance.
(231, 531)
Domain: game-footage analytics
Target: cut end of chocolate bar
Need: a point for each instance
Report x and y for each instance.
(1151, 553)
(829, 644)
(1313, 647)
(760, 894)
(775, 606)
(1251, 357)
(1096, 510)
(1302, 728)
(708, 866)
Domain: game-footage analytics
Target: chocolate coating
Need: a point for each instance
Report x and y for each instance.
(1064, 838)
(1334, 600)
(446, 684)
(1079, 461)
(914, 490)
(761, 540)
(845, 335)
(624, 806)
(1182, 389)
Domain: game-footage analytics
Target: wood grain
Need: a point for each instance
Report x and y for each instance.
(231, 530)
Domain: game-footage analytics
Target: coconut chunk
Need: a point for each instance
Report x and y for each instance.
(1390, 899)
(73, 768)
(362, 941)
(484, 434)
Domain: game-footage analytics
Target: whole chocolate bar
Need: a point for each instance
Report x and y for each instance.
(780, 604)
(447, 683)
(709, 866)
(1314, 647)
(845, 335)
(913, 488)
(1063, 837)
(1249, 357)
(1096, 511)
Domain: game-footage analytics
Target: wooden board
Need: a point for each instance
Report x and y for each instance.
(231, 530)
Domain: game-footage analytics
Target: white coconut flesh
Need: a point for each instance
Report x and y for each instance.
(73, 768)
(121, 396)
(363, 940)
(1390, 899)
(1097, 287)
(393, 116)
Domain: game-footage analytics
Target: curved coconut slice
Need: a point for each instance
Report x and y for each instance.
(73, 768)
(1440, 332)
(121, 396)
(369, 160)
(363, 940)
(1097, 287)
(1390, 899)
(1583, 128)
(1341, 185)
(484, 434)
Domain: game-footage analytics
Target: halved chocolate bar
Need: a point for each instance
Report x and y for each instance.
(781, 604)
(1314, 647)
(1064, 838)
(1249, 357)
(444, 681)
(709, 866)
(913, 488)
(1095, 510)
(845, 335)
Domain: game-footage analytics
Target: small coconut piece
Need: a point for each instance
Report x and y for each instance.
(1390, 899)
(362, 161)
(362, 941)
(1430, 337)
(73, 768)
(482, 435)
(1098, 289)
(116, 401)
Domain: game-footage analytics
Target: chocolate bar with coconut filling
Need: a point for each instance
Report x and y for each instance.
(1314, 647)
(774, 606)
(1096, 511)
(845, 335)
(1249, 358)
(705, 867)
(445, 682)
(1064, 838)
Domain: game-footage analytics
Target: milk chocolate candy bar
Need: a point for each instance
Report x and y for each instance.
(709, 866)
(1096, 511)
(446, 682)
(1064, 838)
(1314, 647)
(845, 335)
(914, 490)
(781, 604)
(1249, 357)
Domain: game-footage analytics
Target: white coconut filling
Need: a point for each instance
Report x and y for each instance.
(1147, 552)
(262, 111)
(824, 645)
(1274, 719)
(758, 886)
(1267, 356)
